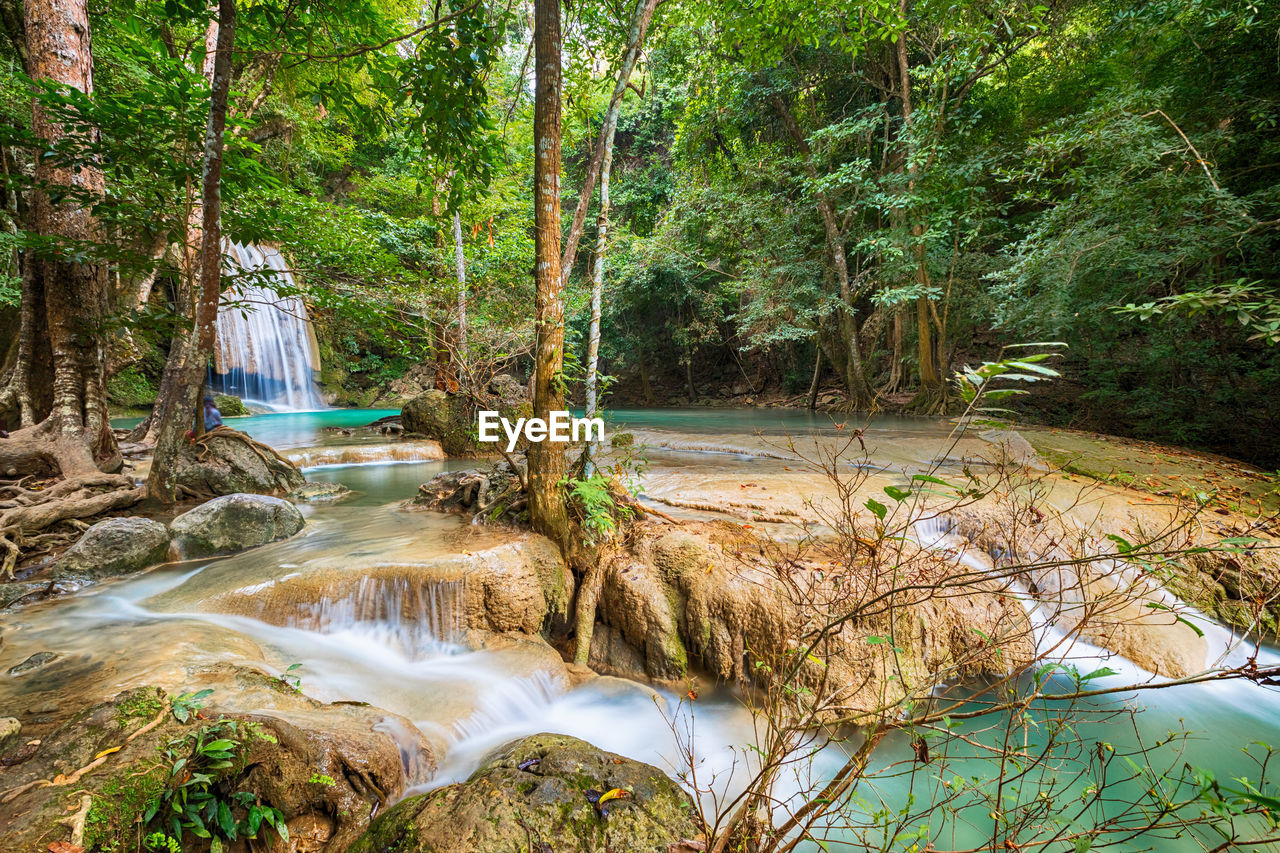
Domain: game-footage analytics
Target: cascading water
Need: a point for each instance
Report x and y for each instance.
(418, 617)
(267, 352)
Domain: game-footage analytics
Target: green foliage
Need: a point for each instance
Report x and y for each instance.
(130, 389)
(187, 704)
(600, 513)
(196, 801)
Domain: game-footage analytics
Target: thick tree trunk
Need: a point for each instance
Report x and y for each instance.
(597, 294)
(635, 42)
(161, 485)
(547, 509)
(65, 300)
(860, 393)
(460, 262)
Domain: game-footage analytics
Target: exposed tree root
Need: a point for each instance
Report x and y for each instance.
(27, 513)
(265, 451)
(77, 820)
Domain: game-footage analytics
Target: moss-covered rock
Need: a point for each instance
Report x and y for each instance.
(537, 794)
(230, 406)
(325, 768)
(450, 418)
(235, 523)
(116, 546)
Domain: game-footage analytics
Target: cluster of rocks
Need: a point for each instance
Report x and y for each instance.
(122, 546)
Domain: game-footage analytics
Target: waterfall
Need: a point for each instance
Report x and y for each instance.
(267, 351)
(418, 617)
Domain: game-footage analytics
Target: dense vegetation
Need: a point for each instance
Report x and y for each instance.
(888, 190)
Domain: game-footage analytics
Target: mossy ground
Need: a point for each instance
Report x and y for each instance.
(1159, 470)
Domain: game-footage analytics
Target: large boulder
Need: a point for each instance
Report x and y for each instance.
(540, 793)
(707, 597)
(448, 418)
(226, 462)
(234, 523)
(451, 418)
(116, 546)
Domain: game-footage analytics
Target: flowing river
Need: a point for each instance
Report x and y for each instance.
(400, 648)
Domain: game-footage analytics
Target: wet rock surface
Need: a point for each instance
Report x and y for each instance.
(116, 546)
(234, 523)
(225, 462)
(326, 768)
(541, 793)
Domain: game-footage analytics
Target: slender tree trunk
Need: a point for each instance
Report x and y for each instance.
(547, 510)
(171, 379)
(161, 485)
(597, 293)
(860, 393)
(932, 396)
(460, 261)
(895, 366)
(635, 41)
(817, 376)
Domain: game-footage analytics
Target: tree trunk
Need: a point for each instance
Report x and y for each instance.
(184, 309)
(64, 300)
(460, 260)
(160, 484)
(860, 393)
(932, 398)
(597, 292)
(817, 376)
(635, 40)
(547, 509)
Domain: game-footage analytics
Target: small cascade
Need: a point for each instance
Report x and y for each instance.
(267, 351)
(418, 617)
(372, 454)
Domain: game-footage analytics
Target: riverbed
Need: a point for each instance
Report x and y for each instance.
(754, 467)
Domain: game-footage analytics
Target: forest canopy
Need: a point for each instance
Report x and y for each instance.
(855, 196)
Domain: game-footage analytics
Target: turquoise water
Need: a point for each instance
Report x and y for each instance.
(1220, 721)
(299, 429)
(283, 430)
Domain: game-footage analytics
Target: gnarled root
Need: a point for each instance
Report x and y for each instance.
(26, 513)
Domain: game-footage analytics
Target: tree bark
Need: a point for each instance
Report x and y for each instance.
(635, 41)
(932, 396)
(160, 485)
(860, 393)
(460, 261)
(547, 508)
(817, 377)
(597, 293)
(66, 300)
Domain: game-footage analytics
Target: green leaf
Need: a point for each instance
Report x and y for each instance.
(878, 509)
(896, 493)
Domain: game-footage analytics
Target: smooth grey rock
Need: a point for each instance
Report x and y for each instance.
(234, 523)
(116, 546)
